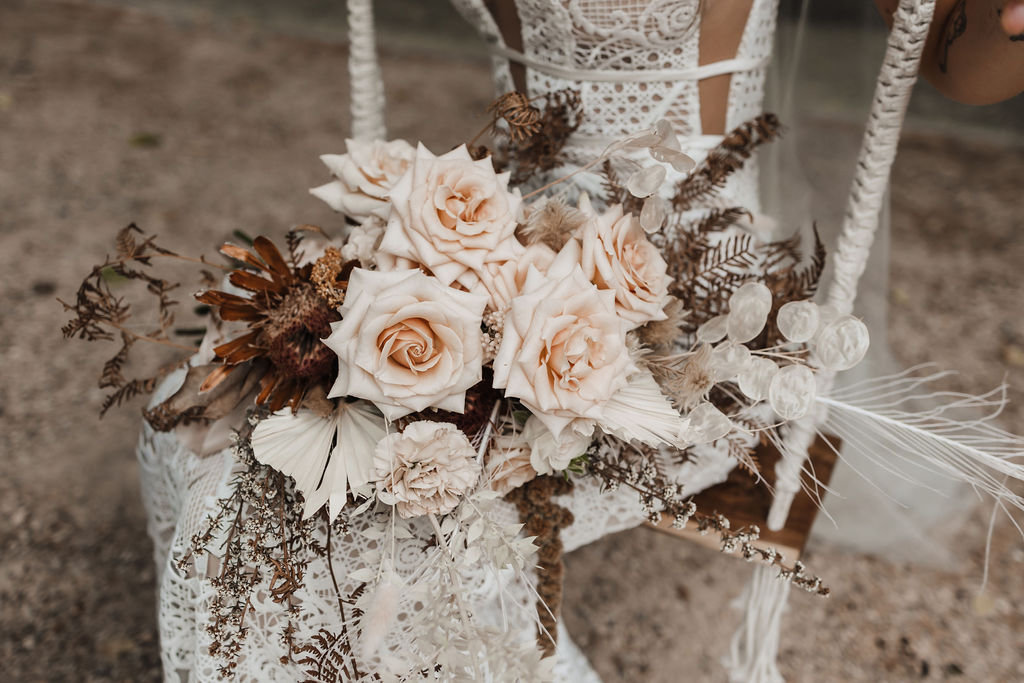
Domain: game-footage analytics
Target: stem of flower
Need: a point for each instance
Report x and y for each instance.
(453, 574)
(154, 340)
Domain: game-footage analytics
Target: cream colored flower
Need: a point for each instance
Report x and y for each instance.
(364, 176)
(563, 351)
(407, 342)
(425, 469)
(617, 255)
(508, 463)
(504, 281)
(362, 242)
(453, 216)
(549, 454)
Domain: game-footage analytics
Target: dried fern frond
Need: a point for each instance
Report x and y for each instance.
(724, 160)
(101, 315)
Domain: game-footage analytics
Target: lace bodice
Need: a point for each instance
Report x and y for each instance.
(633, 62)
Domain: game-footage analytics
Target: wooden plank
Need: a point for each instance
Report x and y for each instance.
(745, 503)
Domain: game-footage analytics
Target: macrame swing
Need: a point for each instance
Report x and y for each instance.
(753, 651)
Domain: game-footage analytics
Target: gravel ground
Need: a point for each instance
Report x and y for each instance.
(192, 130)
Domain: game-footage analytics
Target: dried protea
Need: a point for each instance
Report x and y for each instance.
(288, 314)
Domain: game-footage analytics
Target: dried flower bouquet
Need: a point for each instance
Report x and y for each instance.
(464, 343)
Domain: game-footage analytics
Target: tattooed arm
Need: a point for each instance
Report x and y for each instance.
(975, 50)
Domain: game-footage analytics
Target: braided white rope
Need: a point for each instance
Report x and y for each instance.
(878, 151)
(367, 88)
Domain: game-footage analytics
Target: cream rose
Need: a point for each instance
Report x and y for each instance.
(563, 350)
(508, 463)
(364, 176)
(504, 281)
(550, 454)
(406, 342)
(362, 242)
(425, 469)
(617, 255)
(453, 216)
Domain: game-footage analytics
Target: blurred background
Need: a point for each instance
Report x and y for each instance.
(197, 118)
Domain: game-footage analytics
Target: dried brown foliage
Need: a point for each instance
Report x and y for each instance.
(267, 537)
(658, 495)
(545, 519)
(790, 278)
(102, 315)
(541, 150)
(724, 160)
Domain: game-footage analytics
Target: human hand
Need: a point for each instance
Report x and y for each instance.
(1011, 17)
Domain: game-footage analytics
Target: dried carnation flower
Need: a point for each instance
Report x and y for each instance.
(425, 469)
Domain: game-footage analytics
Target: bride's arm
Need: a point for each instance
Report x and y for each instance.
(975, 50)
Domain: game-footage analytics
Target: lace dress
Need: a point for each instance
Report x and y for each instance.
(634, 62)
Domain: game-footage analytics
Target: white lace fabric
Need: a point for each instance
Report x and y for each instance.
(181, 489)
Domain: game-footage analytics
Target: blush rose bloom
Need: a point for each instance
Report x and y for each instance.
(406, 342)
(425, 469)
(508, 463)
(504, 281)
(364, 176)
(452, 215)
(563, 350)
(617, 255)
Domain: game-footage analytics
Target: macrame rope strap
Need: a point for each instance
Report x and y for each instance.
(366, 86)
(878, 151)
(755, 645)
(698, 73)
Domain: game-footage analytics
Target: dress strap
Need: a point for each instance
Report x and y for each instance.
(698, 73)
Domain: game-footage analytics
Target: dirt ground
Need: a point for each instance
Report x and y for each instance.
(192, 130)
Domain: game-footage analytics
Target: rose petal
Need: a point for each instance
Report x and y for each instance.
(792, 391)
(646, 181)
(798, 320)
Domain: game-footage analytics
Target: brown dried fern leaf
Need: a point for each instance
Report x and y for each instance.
(724, 160)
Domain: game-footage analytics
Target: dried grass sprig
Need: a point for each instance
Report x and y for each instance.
(656, 491)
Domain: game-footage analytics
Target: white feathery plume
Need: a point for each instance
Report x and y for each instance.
(380, 612)
(879, 420)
